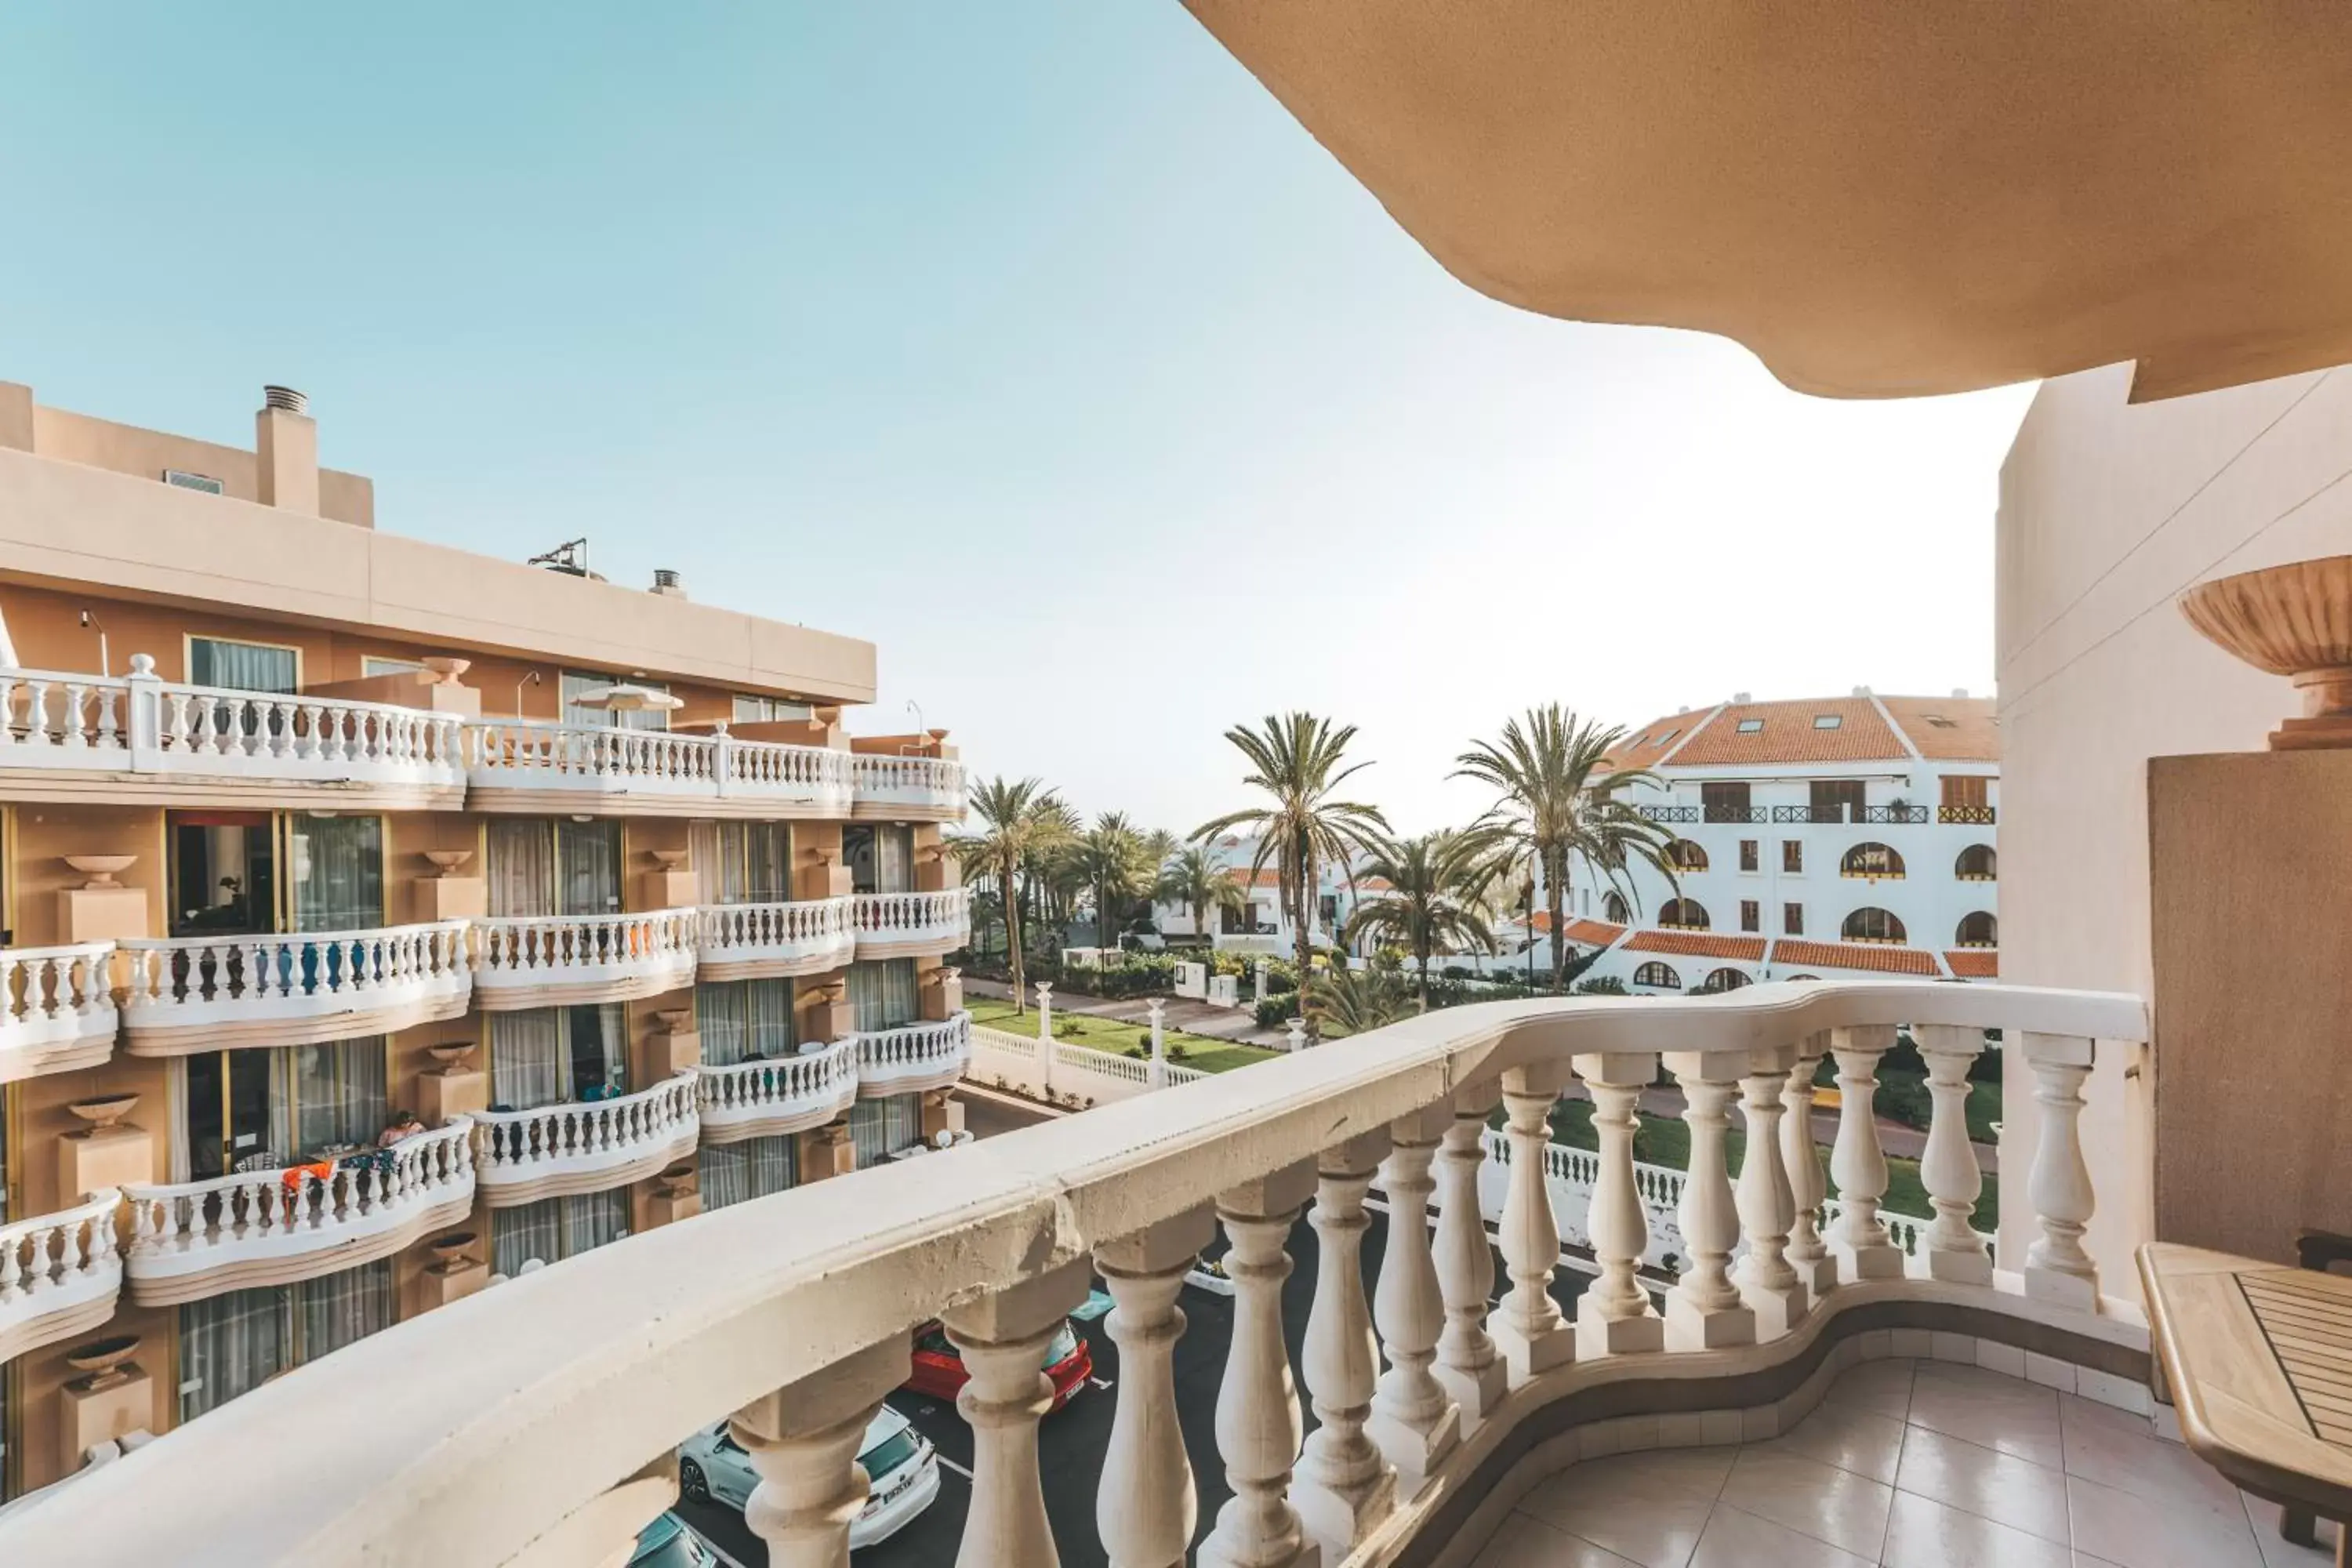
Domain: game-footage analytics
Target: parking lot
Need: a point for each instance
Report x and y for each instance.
(1073, 1440)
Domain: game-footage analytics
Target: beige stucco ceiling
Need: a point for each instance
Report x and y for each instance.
(1879, 199)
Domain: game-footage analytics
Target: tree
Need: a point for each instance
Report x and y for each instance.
(1343, 1001)
(1560, 802)
(1435, 883)
(1297, 761)
(1195, 879)
(1115, 867)
(1020, 823)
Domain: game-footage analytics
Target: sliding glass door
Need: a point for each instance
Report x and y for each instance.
(542, 868)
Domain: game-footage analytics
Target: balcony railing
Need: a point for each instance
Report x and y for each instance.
(193, 1239)
(917, 1056)
(586, 1146)
(782, 1094)
(1856, 815)
(137, 724)
(765, 942)
(515, 765)
(192, 994)
(546, 961)
(809, 1298)
(1971, 816)
(899, 925)
(59, 1274)
(57, 1008)
(927, 789)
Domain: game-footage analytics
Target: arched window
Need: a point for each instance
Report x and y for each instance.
(1683, 915)
(1874, 925)
(1613, 908)
(1685, 854)
(1976, 864)
(1978, 930)
(1802, 977)
(1722, 980)
(1871, 861)
(1658, 974)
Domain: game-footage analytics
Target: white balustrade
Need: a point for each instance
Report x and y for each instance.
(1947, 1167)
(538, 961)
(1413, 1420)
(887, 787)
(773, 1095)
(1704, 1311)
(901, 923)
(1003, 1339)
(1809, 1253)
(2057, 1268)
(1468, 1367)
(59, 1273)
(1147, 1505)
(1527, 1329)
(803, 1441)
(560, 761)
(919, 1056)
(1859, 1241)
(1258, 1420)
(586, 1145)
(1345, 1486)
(338, 983)
(1614, 1315)
(1768, 1206)
(751, 941)
(57, 1007)
(190, 1240)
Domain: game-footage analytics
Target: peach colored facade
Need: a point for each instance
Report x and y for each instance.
(323, 884)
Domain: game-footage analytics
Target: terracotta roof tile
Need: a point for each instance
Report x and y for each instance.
(1698, 944)
(1966, 734)
(1880, 958)
(1975, 962)
(1789, 734)
(1652, 743)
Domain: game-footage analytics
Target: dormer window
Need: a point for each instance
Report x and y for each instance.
(1751, 726)
(1828, 720)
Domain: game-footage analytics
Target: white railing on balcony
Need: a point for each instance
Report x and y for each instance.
(649, 953)
(809, 1299)
(258, 1227)
(137, 723)
(810, 1087)
(196, 982)
(584, 1138)
(53, 1265)
(529, 754)
(917, 1053)
(930, 787)
(907, 921)
(807, 935)
(53, 997)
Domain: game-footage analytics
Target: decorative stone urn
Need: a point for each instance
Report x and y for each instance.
(449, 1251)
(450, 1056)
(102, 1112)
(446, 861)
(676, 1180)
(100, 869)
(2294, 620)
(101, 1362)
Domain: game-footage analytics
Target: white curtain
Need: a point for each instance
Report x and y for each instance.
(521, 871)
(883, 995)
(706, 850)
(343, 1308)
(527, 1058)
(879, 1128)
(740, 1019)
(231, 1344)
(520, 1235)
(338, 875)
(742, 862)
(880, 860)
(246, 667)
(337, 1092)
(733, 1173)
(591, 1219)
(588, 867)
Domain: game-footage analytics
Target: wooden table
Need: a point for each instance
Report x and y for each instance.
(2259, 1361)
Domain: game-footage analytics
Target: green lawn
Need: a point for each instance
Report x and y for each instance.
(1201, 1051)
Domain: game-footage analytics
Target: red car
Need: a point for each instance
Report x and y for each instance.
(940, 1370)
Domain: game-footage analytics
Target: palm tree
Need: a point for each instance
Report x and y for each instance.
(1018, 822)
(1296, 759)
(1435, 884)
(1115, 867)
(1198, 881)
(1559, 801)
(1346, 1001)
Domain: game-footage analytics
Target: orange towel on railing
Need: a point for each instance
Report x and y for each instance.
(324, 1169)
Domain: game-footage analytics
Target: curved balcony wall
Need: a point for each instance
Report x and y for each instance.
(553, 961)
(193, 1239)
(513, 764)
(57, 1008)
(917, 1056)
(772, 941)
(586, 1146)
(906, 789)
(199, 994)
(784, 1094)
(59, 1274)
(912, 925)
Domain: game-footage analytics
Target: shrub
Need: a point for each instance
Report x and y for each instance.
(1600, 985)
(1458, 972)
(1274, 1011)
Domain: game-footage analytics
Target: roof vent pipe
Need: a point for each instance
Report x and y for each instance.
(285, 397)
(669, 583)
(1743, 696)
(1960, 691)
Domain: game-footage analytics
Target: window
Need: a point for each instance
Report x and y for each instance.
(243, 665)
(1722, 980)
(1613, 909)
(1683, 915)
(372, 667)
(743, 1020)
(1871, 861)
(1967, 797)
(553, 1229)
(551, 1056)
(541, 867)
(1978, 930)
(1750, 852)
(336, 867)
(576, 682)
(1751, 726)
(233, 1343)
(256, 1109)
(742, 862)
(1751, 915)
(1827, 721)
(1940, 721)
(1976, 864)
(190, 481)
(1722, 801)
(1669, 735)
(1685, 855)
(882, 993)
(755, 1168)
(880, 1128)
(1792, 856)
(1659, 975)
(880, 860)
(1836, 800)
(1873, 925)
(1792, 920)
(768, 709)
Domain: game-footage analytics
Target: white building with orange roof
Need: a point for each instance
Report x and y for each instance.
(1827, 836)
(1261, 924)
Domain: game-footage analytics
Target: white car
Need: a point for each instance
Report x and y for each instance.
(900, 1466)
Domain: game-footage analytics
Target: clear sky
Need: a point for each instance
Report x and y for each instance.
(1033, 341)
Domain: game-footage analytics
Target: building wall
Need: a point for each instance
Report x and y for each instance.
(2108, 511)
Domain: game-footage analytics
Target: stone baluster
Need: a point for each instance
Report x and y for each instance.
(1157, 1011)
(1468, 1367)
(1414, 1422)
(1951, 1249)
(1003, 1339)
(2057, 1268)
(1614, 1316)
(603, 1532)
(1705, 1310)
(1146, 1505)
(1858, 1240)
(1345, 1486)
(1526, 1327)
(1768, 1206)
(1257, 1406)
(1808, 1253)
(803, 1440)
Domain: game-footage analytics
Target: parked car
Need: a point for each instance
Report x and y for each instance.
(940, 1373)
(901, 1468)
(667, 1543)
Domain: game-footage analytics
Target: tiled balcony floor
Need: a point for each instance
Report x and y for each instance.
(1912, 1465)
